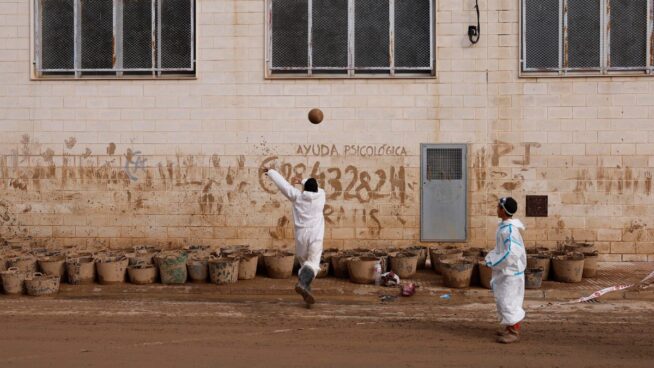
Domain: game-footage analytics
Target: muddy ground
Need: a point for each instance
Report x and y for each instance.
(115, 328)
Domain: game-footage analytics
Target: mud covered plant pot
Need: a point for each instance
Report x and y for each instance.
(142, 273)
(533, 278)
(485, 274)
(223, 270)
(540, 260)
(53, 266)
(39, 284)
(362, 269)
(111, 269)
(172, 267)
(80, 270)
(569, 268)
(457, 273)
(247, 265)
(13, 281)
(404, 264)
(279, 265)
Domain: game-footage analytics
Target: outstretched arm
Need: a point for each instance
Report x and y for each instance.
(287, 189)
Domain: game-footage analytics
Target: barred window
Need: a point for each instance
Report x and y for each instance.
(350, 38)
(573, 37)
(114, 38)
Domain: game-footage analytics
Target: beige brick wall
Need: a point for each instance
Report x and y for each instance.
(120, 163)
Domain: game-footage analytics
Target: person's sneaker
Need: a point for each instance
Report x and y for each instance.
(306, 294)
(501, 331)
(508, 338)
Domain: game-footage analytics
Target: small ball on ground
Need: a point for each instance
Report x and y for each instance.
(315, 116)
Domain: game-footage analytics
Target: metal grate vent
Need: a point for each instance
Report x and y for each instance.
(444, 164)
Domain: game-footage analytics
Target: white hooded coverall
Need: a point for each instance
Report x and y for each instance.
(508, 261)
(309, 221)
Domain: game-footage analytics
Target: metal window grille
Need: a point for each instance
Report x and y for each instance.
(586, 36)
(114, 37)
(444, 164)
(350, 37)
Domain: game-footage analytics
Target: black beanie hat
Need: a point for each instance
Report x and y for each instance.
(311, 185)
(509, 205)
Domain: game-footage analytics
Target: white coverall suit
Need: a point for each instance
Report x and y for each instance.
(309, 221)
(508, 261)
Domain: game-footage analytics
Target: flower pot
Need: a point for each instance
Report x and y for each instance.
(111, 269)
(422, 255)
(457, 273)
(404, 264)
(438, 255)
(198, 269)
(142, 273)
(279, 265)
(485, 274)
(53, 266)
(38, 284)
(540, 260)
(247, 265)
(324, 270)
(26, 263)
(13, 281)
(533, 278)
(339, 264)
(223, 270)
(172, 267)
(590, 264)
(362, 269)
(569, 268)
(80, 270)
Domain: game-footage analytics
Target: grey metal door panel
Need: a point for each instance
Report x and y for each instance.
(443, 205)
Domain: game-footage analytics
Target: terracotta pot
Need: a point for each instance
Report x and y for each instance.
(404, 264)
(111, 270)
(247, 266)
(38, 284)
(223, 270)
(53, 266)
(457, 273)
(362, 269)
(142, 273)
(279, 265)
(533, 278)
(13, 281)
(80, 270)
(540, 261)
(569, 268)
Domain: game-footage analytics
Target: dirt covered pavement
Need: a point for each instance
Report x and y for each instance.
(198, 326)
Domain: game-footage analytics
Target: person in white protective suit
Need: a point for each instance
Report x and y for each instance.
(308, 206)
(508, 261)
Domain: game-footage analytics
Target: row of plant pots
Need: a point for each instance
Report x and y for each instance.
(462, 267)
(144, 265)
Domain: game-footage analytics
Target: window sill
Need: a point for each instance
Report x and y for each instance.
(346, 77)
(626, 73)
(112, 78)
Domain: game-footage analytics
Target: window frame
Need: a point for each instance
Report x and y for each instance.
(350, 71)
(119, 72)
(604, 69)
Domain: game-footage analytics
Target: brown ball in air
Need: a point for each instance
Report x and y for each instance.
(315, 116)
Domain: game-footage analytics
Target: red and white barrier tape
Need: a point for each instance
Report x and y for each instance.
(611, 289)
